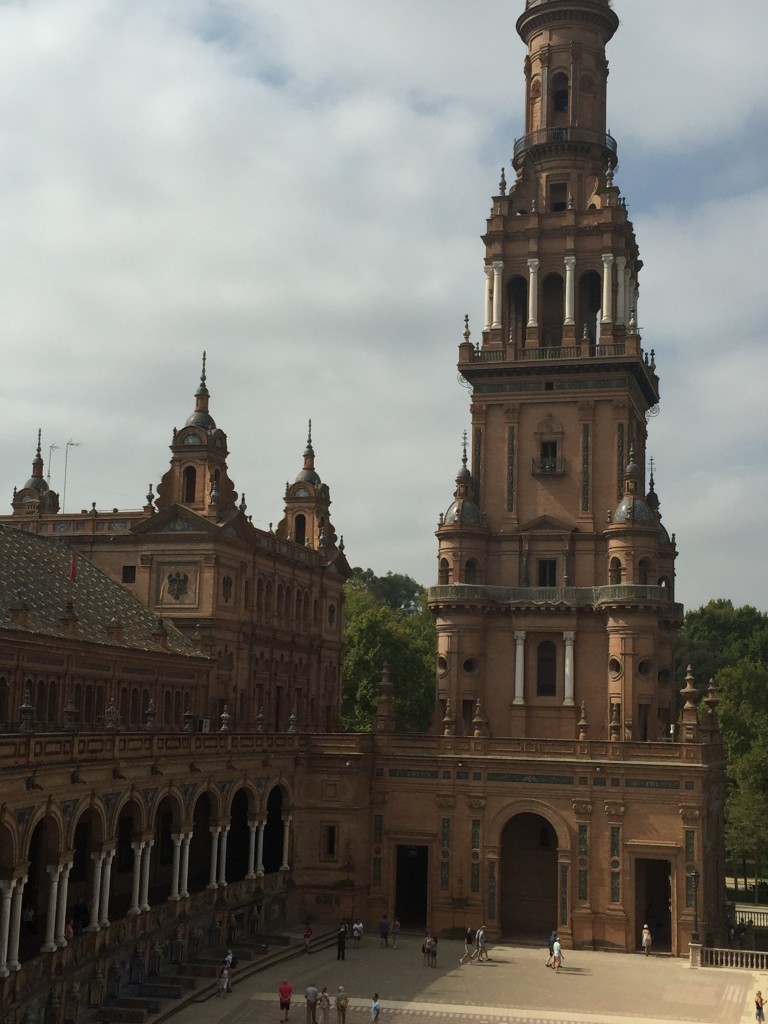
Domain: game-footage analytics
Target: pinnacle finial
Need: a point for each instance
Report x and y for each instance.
(464, 449)
(467, 332)
(503, 183)
(39, 437)
(202, 390)
(202, 375)
(309, 434)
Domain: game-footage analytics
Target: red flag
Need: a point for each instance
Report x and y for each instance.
(73, 566)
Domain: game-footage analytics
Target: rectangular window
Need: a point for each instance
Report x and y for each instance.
(329, 842)
(548, 456)
(558, 197)
(547, 572)
(129, 574)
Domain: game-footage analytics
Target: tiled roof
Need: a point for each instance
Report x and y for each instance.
(35, 571)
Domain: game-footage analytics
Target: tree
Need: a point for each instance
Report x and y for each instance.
(387, 622)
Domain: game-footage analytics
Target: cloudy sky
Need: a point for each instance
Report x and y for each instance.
(299, 189)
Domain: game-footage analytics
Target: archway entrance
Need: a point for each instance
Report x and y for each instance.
(528, 883)
(653, 894)
(412, 886)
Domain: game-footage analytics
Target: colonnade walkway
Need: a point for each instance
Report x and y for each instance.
(515, 986)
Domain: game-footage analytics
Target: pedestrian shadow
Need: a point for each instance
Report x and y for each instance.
(574, 970)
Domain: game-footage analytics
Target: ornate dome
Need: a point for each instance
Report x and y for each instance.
(463, 512)
(632, 510)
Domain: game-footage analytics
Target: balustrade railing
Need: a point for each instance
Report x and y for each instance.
(748, 959)
(552, 136)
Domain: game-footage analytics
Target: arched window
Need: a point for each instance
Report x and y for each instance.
(546, 669)
(588, 310)
(614, 572)
(644, 572)
(444, 574)
(3, 700)
(552, 311)
(470, 572)
(189, 485)
(560, 99)
(300, 529)
(517, 310)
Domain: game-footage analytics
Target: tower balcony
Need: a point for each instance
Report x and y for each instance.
(622, 595)
(550, 141)
(476, 363)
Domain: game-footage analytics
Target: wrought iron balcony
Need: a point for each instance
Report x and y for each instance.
(556, 136)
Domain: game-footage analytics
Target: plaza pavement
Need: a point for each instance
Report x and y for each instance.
(514, 987)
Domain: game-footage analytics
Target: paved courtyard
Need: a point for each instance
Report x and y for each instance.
(515, 986)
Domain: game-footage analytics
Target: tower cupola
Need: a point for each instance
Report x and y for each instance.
(36, 494)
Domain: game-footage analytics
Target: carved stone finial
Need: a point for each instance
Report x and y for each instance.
(503, 183)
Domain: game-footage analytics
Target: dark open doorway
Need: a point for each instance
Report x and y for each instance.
(528, 882)
(653, 892)
(412, 878)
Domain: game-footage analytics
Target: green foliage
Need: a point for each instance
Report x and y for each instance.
(731, 645)
(387, 622)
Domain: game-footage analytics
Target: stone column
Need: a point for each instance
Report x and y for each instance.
(185, 841)
(106, 882)
(570, 291)
(223, 856)
(54, 871)
(138, 851)
(519, 667)
(61, 909)
(145, 859)
(252, 826)
(6, 894)
(621, 292)
(260, 850)
(15, 927)
(533, 293)
(176, 837)
(488, 300)
(285, 866)
(498, 271)
(607, 303)
(569, 638)
(214, 830)
(98, 860)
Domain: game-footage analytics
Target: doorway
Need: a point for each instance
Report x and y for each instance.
(411, 886)
(653, 896)
(528, 882)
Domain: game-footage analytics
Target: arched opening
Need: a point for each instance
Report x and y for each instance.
(273, 832)
(644, 572)
(552, 311)
(239, 838)
(300, 529)
(87, 839)
(167, 821)
(200, 845)
(561, 100)
(528, 878)
(53, 703)
(614, 572)
(546, 669)
(189, 484)
(517, 310)
(4, 701)
(444, 572)
(470, 572)
(127, 832)
(44, 848)
(534, 112)
(589, 303)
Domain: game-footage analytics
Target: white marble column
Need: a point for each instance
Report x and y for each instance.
(533, 293)
(260, 850)
(569, 638)
(98, 860)
(223, 856)
(61, 908)
(183, 890)
(145, 859)
(14, 929)
(54, 872)
(176, 837)
(138, 850)
(214, 830)
(621, 291)
(252, 826)
(488, 297)
(607, 315)
(519, 667)
(6, 895)
(570, 291)
(106, 882)
(498, 273)
(285, 866)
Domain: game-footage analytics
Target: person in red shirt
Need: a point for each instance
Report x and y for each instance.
(285, 991)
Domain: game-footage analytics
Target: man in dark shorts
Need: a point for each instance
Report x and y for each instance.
(285, 991)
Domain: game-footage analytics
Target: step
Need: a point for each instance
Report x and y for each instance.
(119, 1015)
(160, 990)
(139, 1003)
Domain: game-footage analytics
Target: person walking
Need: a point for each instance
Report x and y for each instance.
(342, 1002)
(384, 931)
(375, 1008)
(557, 955)
(312, 995)
(647, 940)
(357, 932)
(307, 935)
(550, 946)
(759, 1004)
(285, 991)
(222, 983)
(426, 949)
(341, 941)
(324, 1005)
(433, 952)
(482, 949)
(469, 943)
(395, 932)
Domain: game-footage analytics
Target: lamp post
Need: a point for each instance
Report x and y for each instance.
(67, 446)
(695, 876)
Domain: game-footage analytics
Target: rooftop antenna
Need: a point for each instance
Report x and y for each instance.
(67, 446)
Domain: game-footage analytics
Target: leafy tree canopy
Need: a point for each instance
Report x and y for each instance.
(387, 622)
